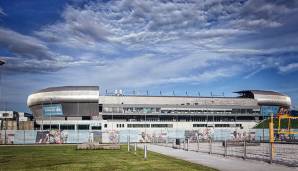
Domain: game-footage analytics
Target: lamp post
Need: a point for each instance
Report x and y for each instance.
(51, 114)
(2, 62)
(263, 121)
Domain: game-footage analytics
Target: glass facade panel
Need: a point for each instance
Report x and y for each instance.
(267, 110)
(52, 110)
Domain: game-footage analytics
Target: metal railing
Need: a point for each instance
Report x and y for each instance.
(279, 152)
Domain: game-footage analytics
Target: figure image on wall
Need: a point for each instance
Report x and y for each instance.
(113, 136)
(51, 137)
(238, 135)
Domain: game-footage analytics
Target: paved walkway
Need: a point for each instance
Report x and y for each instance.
(216, 161)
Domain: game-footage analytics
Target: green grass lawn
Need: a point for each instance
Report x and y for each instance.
(66, 157)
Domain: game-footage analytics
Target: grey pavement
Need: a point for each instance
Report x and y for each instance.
(216, 161)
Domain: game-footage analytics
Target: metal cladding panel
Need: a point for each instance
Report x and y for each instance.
(275, 100)
(58, 95)
(267, 97)
(69, 109)
(80, 109)
(70, 88)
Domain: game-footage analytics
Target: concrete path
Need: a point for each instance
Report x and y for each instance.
(216, 161)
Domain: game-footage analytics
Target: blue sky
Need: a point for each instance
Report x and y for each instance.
(194, 46)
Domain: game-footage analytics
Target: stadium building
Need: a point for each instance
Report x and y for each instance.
(83, 108)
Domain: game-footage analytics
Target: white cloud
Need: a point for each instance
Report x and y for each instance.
(2, 12)
(138, 25)
(23, 45)
(149, 70)
(255, 23)
(131, 22)
(289, 68)
(33, 55)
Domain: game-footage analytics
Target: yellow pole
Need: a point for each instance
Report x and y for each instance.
(271, 134)
(271, 129)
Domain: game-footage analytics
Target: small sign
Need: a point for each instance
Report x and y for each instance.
(52, 110)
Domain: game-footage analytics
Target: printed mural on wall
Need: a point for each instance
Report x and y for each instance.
(51, 137)
(121, 136)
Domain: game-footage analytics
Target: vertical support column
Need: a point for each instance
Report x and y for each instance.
(226, 148)
(135, 148)
(5, 136)
(210, 146)
(187, 145)
(24, 137)
(145, 152)
(78, 135)
(244, 149)
(198, 144)
(128, 143)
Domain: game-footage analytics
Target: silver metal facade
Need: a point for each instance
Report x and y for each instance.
(267, 97)
(76, 101)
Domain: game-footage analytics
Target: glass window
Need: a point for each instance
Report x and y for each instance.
(86, 118)
(107, 110)
(83, 127)
(162, 125)
(199, 125)
(100, 108)
(96, 127)
(138, 125)
(67, 127)
(50, 126)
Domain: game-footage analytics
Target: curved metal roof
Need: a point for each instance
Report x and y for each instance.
(69, 88)
(64, 94)
(267, 97)
(264, 92)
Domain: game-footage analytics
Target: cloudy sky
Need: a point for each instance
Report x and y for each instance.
(194, 46)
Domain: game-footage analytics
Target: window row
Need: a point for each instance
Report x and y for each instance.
(158, 110)
(120, 125)
(218, 125)
(131, 110)
(70, 127)
(148, 125)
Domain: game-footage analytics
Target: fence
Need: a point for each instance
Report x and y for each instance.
(51, 137)
(136, 135)
(281, 153)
